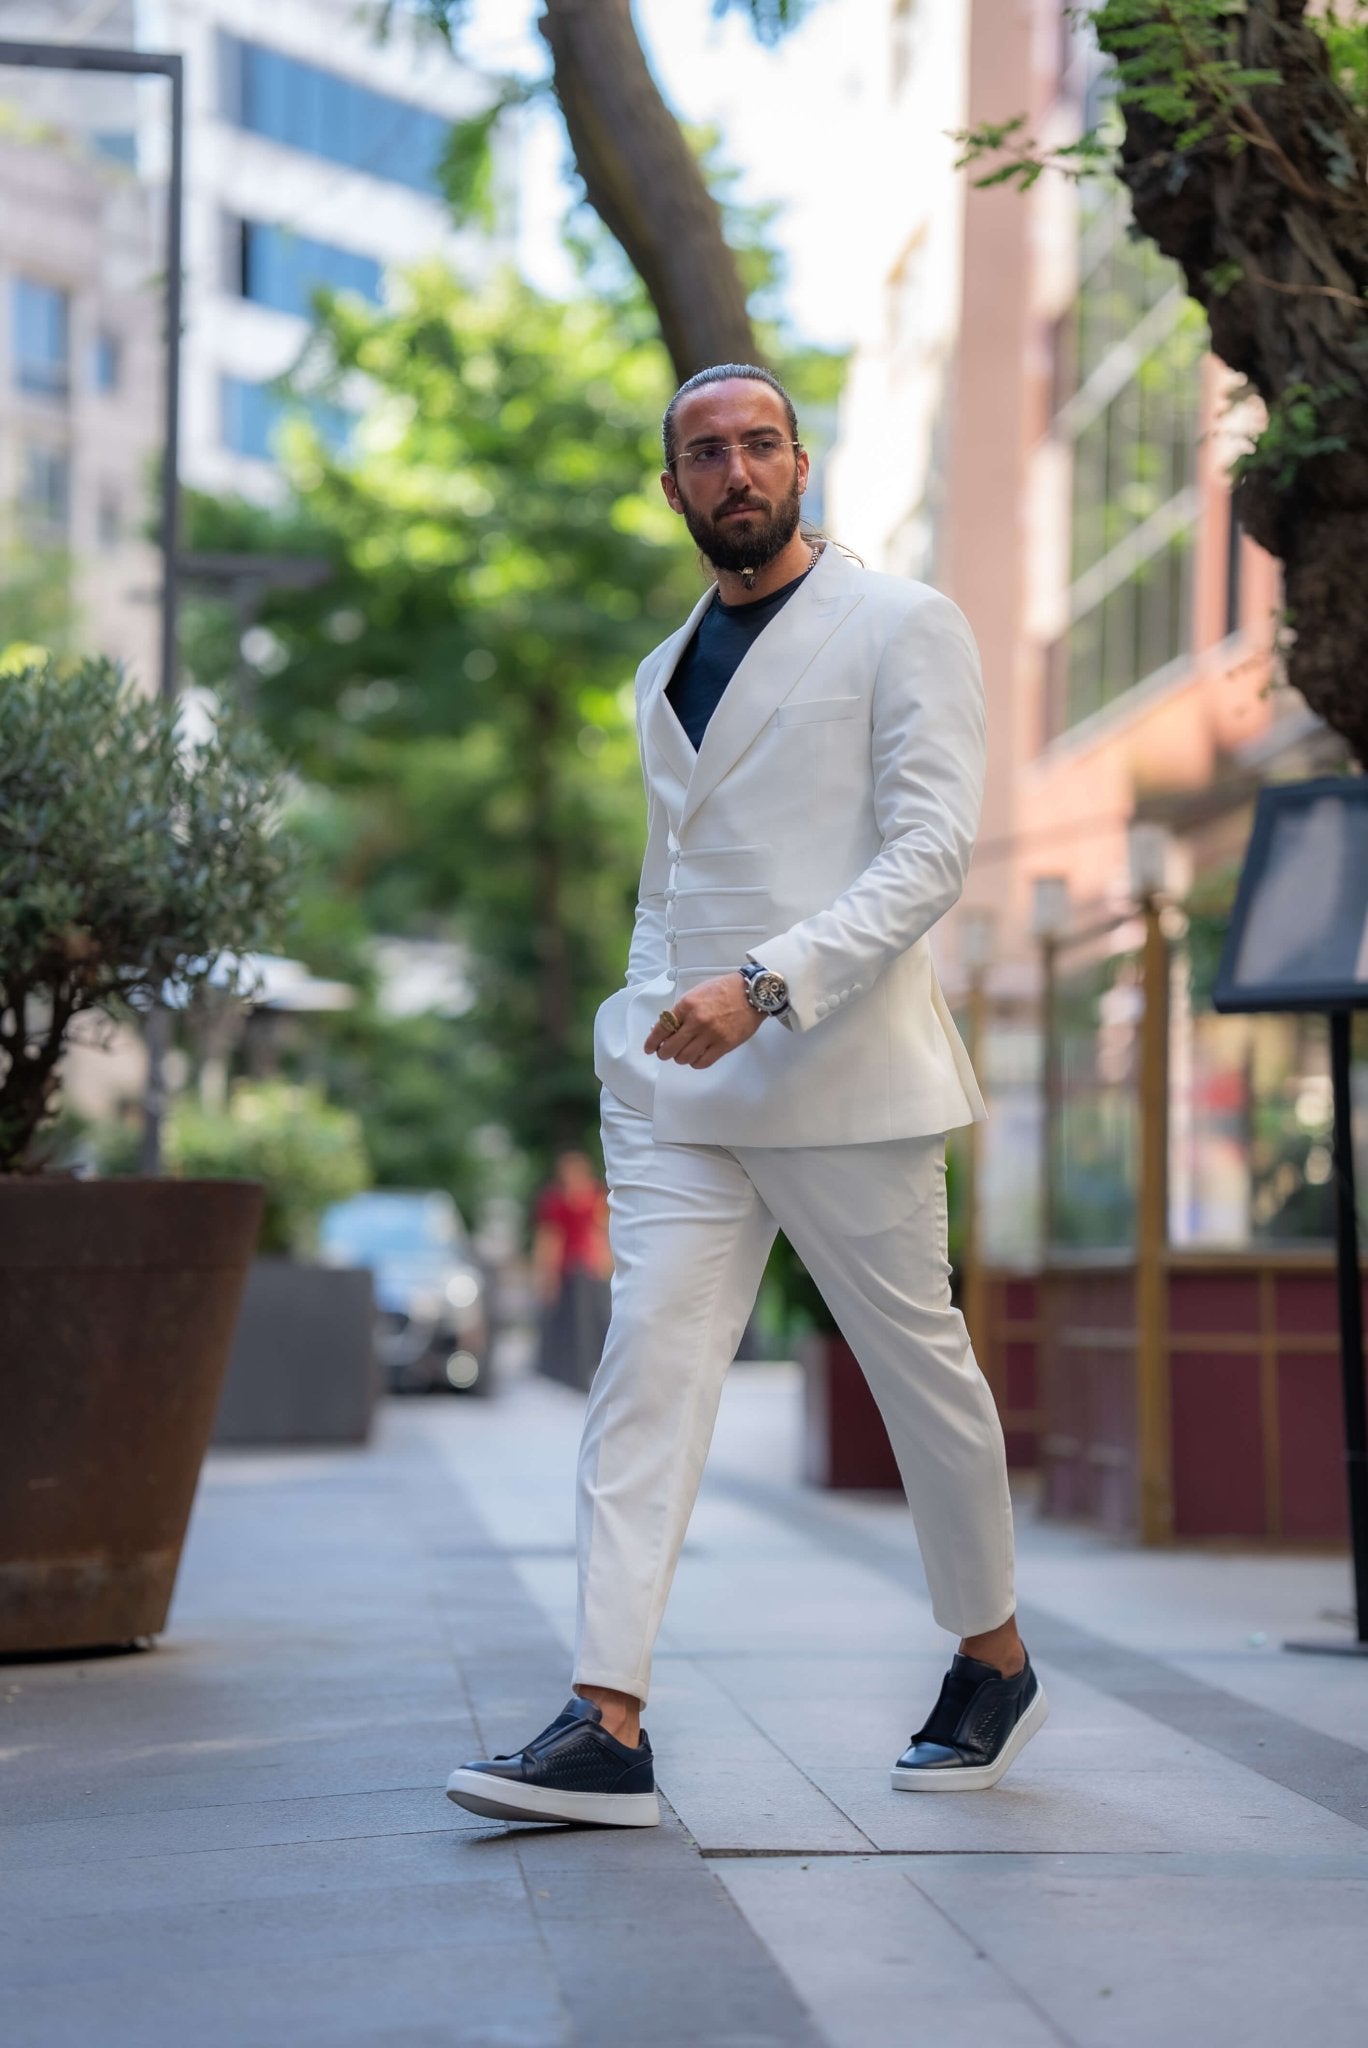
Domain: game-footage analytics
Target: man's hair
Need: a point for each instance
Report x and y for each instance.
(721, 373)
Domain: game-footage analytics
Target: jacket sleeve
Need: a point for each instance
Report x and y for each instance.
(928, 753)
(648, 955)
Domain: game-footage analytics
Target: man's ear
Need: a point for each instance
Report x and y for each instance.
(671, 490)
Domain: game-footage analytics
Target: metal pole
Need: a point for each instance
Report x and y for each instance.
(171, 66)
(1049, 1092)
(170, 494)
(1351, 1314)
(1351, 1340)
(157, 1032)
(1154, 1456)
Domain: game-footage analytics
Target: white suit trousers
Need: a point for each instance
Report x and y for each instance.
(691, 1227)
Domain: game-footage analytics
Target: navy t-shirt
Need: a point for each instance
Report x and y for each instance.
(725, 634)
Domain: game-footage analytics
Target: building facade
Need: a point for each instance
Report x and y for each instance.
(1039, 430)
(80, 396)
(313, 148)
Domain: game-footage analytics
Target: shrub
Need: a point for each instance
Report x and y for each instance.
(308, 1152)
(129, 858)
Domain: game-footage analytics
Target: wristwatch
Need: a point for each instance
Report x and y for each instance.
(765, 992)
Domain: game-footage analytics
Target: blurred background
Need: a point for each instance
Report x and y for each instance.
(422, 546)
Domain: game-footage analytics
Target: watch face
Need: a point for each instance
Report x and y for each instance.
(769, 992)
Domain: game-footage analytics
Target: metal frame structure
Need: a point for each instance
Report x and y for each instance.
(170, 65)
(1339, 995)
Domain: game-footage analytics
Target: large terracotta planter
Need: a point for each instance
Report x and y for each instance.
(117, 1305)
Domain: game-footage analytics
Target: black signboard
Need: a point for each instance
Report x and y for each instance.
(1298, 940)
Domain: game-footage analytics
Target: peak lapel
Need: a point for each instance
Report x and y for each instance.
(770, 670)
(661, 730)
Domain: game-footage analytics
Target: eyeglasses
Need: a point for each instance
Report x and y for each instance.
(711, 456)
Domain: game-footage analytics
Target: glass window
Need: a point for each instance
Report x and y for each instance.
(41, 339)
(252, 413)
(1135, 428)
(1094, 1142)
(282, 269)
(120, 145)
(106, 362)
(310, 108)
(45, 492)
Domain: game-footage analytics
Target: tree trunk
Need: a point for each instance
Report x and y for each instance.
(645, 184)
(1290, 209)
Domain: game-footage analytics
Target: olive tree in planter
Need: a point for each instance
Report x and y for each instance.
(129, 858)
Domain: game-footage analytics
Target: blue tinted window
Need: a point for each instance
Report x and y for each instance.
(283, 270)
(41, 339)
(119, 144)
(309, 108)
(251, 414)
(105, 361)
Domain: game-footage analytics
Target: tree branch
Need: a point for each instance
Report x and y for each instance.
(645, 184)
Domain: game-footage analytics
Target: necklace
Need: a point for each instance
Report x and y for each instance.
(748, 576)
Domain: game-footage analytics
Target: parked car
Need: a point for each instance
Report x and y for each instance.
(432, 1324)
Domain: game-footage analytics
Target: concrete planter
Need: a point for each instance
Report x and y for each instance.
(303, 1368)
(117, 1305)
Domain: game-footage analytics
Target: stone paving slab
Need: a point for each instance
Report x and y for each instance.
(241, 1839)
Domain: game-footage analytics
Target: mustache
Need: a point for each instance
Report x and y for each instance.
(743, 505)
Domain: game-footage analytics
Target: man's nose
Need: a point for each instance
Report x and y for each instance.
(737, 471)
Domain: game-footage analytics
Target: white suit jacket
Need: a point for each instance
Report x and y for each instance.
(823, 826)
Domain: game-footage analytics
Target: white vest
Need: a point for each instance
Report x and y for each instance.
(823, 826)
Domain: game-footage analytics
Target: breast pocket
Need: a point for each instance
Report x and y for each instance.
(818, 710)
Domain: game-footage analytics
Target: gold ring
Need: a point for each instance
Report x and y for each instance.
(671, 1022)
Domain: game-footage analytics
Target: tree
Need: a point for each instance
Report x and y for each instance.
(1242, 138)
(462, 685)
(640, 175)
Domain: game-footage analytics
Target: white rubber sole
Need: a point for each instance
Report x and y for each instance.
(475, 1790)
(979, 1777)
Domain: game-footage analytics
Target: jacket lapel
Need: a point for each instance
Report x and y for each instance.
(768, 672)
(661, 730)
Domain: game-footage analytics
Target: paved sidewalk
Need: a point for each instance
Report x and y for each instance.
(240, 1840)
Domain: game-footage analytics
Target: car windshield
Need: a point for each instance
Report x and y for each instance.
(384, 1224)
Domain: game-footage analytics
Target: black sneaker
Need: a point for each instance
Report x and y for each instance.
(574, 1770)
(980, 1722)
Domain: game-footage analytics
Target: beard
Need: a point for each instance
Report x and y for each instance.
(750, 546)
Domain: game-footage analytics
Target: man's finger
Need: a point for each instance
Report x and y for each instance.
(684, 1044)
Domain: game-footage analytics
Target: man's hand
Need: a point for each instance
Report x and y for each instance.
(714, 1019)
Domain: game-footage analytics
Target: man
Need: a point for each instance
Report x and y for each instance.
(781, 1057)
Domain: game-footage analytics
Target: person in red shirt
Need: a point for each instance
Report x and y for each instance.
(571, 1264)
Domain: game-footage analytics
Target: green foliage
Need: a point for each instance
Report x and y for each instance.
(308, 1152)
(423, 1087)
(1172, 62)
(128, 857)
(466, 172)
(462, 687)
(1293, 434)
(1344, 25)
(769, 18)
(1207, 908)
(36, 611)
